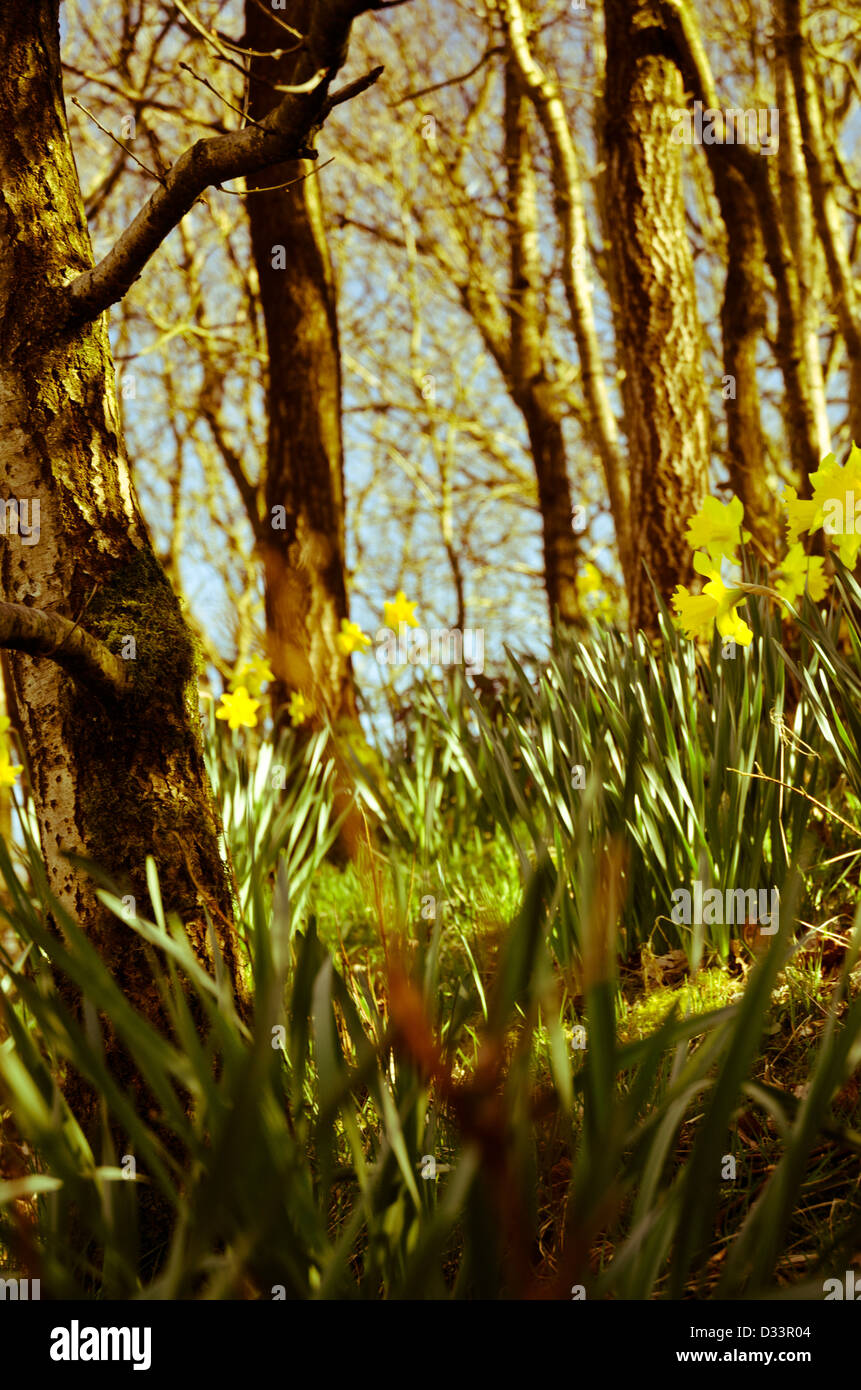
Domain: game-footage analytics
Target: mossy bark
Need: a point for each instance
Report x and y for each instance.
(111, 780)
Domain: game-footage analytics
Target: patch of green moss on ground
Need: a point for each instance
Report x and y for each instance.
(707, 990)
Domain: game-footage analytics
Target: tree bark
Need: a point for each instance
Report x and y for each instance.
(115, 774)
(803, 418)
(303, 560)
(827, 213)
(798, 217)
(655, 308)
(743, 321)
(542, 88)
(531, 389)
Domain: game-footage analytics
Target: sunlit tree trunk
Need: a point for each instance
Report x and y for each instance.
(655, 310)
(302, 534)
(111, 737)
(531, 388)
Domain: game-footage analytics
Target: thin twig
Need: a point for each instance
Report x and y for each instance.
(246, 192)
(113, 137)
(215, 92)
(206, 33)
(274, 53)
(304, 87)
(451, 81)
(812, 799)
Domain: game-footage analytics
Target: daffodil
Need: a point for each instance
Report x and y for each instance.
(798, 571)
(8, 772)
(716, 528)
(351, 638)
(299, 708)
(801, 515)
(836, 496)
(716, 604)
(253, 674)
(590, 582)
(696, 612)
(399, 611)
(238, 709)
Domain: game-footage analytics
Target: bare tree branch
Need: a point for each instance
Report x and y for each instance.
(288, 128)
(352, 89)
(40, 633)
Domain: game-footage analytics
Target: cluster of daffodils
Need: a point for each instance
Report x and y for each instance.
(399, 610)
(9, 771)
(832, 506)
(239, 705)
(715, 534)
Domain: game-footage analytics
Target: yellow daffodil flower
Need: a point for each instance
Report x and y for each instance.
(238, 709)
(696, 613)
(799, 570)
(836, 500)
(800, 515)
(589, 582)
(351, 638)
(716, 604)
(253, 674)
(717, 528)
(399, 611)
(9, 772)
(299, 708)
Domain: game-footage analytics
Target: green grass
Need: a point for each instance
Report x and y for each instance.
(494, 985)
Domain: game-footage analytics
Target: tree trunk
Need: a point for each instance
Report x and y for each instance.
(743, 321)
(543, 89)
(531, 388)
(801, 411)
(115, 776)
(827, 212)
(655, 309)
(796, 204)
(302, 544)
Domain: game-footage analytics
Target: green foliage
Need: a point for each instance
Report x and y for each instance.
(685, 746)
(295, 1151)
